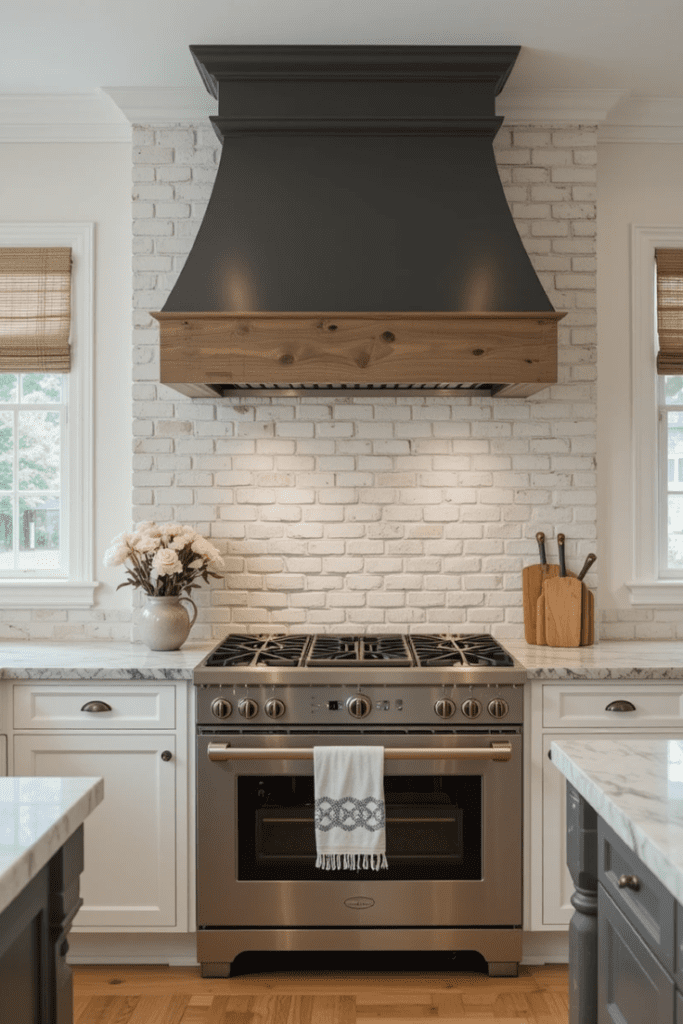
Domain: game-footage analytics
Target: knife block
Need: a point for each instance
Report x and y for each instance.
(565, 615)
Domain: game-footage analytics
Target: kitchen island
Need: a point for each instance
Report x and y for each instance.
(41, 858)
(625, 855)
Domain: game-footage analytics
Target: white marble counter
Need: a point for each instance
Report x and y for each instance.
(636, 786)
(608, 659)
(96, 659)
(37, 816)
(104, 659)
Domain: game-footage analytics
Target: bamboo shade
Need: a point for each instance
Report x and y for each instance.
(35, 310)
(670, 310)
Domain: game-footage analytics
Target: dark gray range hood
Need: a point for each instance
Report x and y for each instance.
(357, 235)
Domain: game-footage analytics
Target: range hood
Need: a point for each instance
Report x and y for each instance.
(357, 236)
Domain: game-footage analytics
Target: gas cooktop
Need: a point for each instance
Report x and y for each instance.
(330, 650)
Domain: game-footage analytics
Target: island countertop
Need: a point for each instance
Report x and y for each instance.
(37, 816)
(636, 787)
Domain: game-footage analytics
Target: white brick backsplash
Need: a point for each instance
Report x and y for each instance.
(372, 512)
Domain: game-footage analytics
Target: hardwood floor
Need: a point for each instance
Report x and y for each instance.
(164, 995)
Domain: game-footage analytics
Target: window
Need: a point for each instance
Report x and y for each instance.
(657, 438)
(46, 503)
(33, 474)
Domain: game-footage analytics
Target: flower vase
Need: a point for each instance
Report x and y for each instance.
(164, 623)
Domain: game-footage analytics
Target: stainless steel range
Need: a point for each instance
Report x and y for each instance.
(448, 710)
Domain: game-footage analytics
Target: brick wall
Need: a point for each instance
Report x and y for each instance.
(387, 513)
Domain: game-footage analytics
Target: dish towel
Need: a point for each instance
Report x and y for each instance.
(349, 808)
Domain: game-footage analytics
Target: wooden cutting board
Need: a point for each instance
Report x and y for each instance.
(563, 607)
(587, 617)
(533, 577)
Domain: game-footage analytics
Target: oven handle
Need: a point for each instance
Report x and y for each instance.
(496, 752)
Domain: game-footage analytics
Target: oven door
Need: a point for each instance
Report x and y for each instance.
(454, 839)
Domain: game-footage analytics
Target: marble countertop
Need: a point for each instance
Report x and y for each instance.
(37, 816)
(43, 659)
(608, 659)
(97, 659)
(636, 786)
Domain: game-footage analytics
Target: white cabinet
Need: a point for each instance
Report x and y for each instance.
(130, 841)
(3, 755)
(563, 710)
(136, 841)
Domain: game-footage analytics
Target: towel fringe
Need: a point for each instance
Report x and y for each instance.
(351, 861)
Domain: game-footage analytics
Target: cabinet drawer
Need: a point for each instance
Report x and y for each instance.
(58, 706)
(650, 909)
(571, 707)
(632, 986)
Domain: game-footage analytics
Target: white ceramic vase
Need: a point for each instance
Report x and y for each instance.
(164, 623)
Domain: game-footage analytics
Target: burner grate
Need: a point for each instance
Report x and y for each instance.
(280, 650)
(434, 650)
(329, 651)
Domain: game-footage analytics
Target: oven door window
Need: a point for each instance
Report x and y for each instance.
(433, 829)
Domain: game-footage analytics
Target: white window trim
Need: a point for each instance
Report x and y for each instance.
(78, 590)
(647, 587)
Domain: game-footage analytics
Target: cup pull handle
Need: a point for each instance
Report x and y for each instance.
(96, 705)
(620, 705)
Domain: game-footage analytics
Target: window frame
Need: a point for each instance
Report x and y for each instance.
(650, 584)
(77, 589)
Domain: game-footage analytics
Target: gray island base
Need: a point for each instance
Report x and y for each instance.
(41, 859)
(624, 808)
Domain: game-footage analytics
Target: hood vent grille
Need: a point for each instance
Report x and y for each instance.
(357, 179)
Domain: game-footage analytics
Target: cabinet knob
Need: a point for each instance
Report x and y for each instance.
(166, 755)
(620, 705)
(629, 882)
(96, 705)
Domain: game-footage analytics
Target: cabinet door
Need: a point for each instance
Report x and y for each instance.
(633, 987)
(3, 755)
(130, 842)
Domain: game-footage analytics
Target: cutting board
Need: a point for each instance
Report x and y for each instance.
(532, 582)
(563, 611)
(587, 617)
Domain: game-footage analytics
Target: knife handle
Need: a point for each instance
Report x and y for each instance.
(587, 564)
(540, 540)
(560, 551)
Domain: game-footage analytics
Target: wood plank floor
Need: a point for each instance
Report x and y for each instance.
(165, 995)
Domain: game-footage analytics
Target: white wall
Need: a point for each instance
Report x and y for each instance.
(643, 185)
(88, 182)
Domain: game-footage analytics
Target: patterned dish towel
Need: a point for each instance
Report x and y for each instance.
(349, 808)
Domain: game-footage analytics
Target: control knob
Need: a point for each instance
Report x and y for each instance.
(275, 708)
(498, 708)
(248, 708)
(471, 708)
(359, 706)
(221, 708)
(445, 707)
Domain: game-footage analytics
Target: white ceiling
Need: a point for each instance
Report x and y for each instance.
(78, 46)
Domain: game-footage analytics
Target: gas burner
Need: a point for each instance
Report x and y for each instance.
(437, 650)
(359, 650)
(243, 649)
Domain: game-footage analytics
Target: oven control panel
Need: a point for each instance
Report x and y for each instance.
(371, 704)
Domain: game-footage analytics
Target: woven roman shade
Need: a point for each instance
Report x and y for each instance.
(670, 310)
(35, 310)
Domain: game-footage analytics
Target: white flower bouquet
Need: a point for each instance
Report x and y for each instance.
(164, 560)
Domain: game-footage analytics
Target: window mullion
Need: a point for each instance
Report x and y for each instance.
(15, 486)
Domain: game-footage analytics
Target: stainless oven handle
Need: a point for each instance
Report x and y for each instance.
(496, 752)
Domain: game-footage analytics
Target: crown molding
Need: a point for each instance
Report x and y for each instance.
(645, 119)
(107, 115)
(62, 117)
(163, 105)
(557, 106)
